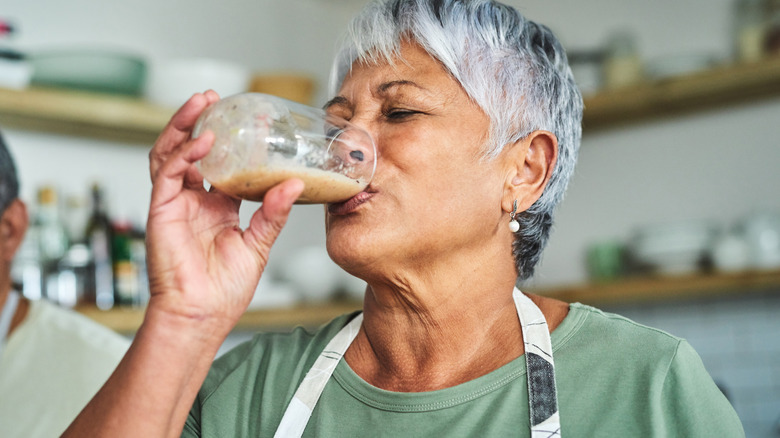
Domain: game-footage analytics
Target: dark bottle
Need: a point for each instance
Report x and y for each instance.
(99, 236)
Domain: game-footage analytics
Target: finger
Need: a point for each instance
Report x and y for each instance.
(178, 129)
(212, 96)
(169, 180)
(193, 179)
(268, 221)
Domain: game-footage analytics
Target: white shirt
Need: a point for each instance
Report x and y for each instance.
(53, 363)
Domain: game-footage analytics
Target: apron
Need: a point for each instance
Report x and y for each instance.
(6, 316)
(542, 396)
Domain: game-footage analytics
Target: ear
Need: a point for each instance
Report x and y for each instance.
(530, 163)
(13, 225)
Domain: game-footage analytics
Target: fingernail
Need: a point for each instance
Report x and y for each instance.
(298, 186)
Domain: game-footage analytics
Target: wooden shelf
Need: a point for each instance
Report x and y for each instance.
(654, 289)
(627, 291)
(137, 121)
(127, 320)
(83, 114)
(718, 87)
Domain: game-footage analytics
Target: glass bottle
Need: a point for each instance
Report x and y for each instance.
(73, 275)
(27, 266)
(99, 235)
(126, 289)
(52, 240)
(138, 256)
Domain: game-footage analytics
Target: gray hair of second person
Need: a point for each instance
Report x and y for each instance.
(9, 183)
(514, 69)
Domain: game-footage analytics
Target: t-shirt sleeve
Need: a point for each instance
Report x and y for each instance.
(693, 405)
(191, 427)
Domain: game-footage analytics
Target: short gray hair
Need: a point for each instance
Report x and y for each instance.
(9, 183)
(514, 69)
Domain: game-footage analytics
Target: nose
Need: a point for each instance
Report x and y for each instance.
(353, 145)
(368, 127)
(352, 150)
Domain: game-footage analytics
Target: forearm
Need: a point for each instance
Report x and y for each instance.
(153, 388)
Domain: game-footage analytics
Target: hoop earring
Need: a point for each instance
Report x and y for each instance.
(514, 225)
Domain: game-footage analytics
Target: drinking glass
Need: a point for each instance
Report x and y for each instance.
(262, 140)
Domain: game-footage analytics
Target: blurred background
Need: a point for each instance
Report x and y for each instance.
(672, 217)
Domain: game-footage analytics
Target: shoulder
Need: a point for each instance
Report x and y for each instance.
(615, 331)
(604, 344)
(648, 381)
(53, 325)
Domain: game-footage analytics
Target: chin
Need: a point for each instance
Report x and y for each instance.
(351, 247)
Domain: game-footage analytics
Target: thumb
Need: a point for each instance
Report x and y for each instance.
(267, 222)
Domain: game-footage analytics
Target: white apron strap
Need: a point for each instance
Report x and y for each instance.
(542, 394)
(302, 405)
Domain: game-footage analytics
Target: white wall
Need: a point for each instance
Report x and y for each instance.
(717, 165)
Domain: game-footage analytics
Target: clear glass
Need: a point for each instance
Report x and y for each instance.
(262, 140)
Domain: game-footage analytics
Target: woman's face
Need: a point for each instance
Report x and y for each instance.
(431, 196)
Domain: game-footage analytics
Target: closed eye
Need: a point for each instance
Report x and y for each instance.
(400, 114)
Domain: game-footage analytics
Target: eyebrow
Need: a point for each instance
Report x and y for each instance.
(341, 100)
(338, 100)
(388, 85)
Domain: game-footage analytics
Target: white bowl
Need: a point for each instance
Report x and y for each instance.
(15, 73)
(673, 248)
(170, 83)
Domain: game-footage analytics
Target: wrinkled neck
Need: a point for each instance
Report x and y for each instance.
(423, 340)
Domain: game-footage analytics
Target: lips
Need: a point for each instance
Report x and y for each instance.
(351, 204)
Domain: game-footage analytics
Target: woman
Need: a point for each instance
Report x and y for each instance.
(477, 123)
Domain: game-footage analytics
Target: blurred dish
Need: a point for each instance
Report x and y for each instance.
(170, 83)
(675, 248)
(731, 253)
(15, 70)
(586, 66)
(90, 70)
(762, 233)
(679, 65)
(604, 260)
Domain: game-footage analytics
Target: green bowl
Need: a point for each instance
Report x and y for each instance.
(100, 71)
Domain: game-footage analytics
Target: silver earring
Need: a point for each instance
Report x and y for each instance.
(514, 225)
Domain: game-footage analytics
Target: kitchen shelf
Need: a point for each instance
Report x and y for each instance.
(135, 120)
(83, 114)
(127, 320)
(668, 288)
(626, 291)
(717, 87)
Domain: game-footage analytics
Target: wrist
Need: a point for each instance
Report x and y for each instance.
(185, 329)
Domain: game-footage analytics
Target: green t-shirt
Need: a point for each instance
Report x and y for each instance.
(614, 378)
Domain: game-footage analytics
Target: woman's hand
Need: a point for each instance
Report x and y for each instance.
(202, 270)
(202, 266)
